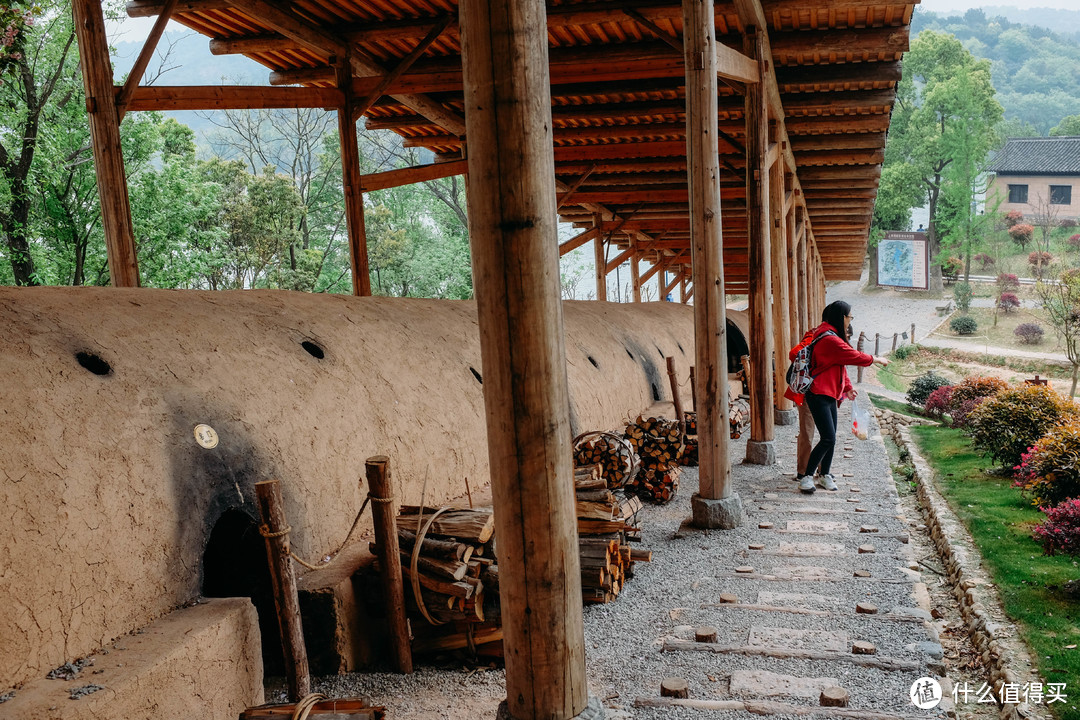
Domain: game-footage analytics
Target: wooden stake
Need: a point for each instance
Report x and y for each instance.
(675, 397)
(894, 338)
(706, 241)
(513, 232)
(383, 514)
(274, 524)
(105, 139)
(693, 390)
(674, 687)
(757, 218)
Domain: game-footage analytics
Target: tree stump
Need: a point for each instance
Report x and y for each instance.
(834, 697)
(866, 608)
(862, 573)
(674, 687)
(729, 598)
(862, 647)
(705, 634)
(866, 549)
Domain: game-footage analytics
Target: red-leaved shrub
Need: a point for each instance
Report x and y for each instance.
(1061, 531)
(1040, 260)
(1029, 333)
(1074, 241)
(985, 260)
(1008, 301)
(938, 401)
(1007, 282)
(1012, 217)
(961, 412)
(1021, 234)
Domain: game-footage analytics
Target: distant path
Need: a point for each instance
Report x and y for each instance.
(885, 311)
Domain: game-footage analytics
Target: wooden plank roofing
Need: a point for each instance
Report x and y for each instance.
(618, 101)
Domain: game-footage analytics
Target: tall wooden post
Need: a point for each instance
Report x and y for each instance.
(635, 274)
(384, 519)
(105, 140)
(759, 448)
(354, 192)
(794, 328)
(512, 229)
(601, 262)
(806, 319)
(715, 504)
(785, 410)
(859, 347)
(276, 532)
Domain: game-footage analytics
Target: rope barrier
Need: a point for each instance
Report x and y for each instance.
(415, 558)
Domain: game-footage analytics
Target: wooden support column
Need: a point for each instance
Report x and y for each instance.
(759, 448)
(600, 258)
(514, 239)
(683, 297)
(794, 328)
(715, 504)
(778, 243)
(105, 139)
(635, 272)
(806, 317)
(352, 183)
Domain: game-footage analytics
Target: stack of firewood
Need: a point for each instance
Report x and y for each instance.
(452, 591)
(616, 457)
(738, 417)
(659, 445)
(606, 524)
(690, 441)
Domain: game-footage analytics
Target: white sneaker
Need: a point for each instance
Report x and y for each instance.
(828, 482)
(806, 484)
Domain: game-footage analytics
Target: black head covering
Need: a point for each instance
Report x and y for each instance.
(834, 314)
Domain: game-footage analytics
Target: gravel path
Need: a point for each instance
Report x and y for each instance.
(886, 311)
(678, 590)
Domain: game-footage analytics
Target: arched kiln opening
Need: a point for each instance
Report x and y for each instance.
(235, 565)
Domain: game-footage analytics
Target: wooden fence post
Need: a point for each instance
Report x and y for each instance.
(275, 529)
(894, 337)
(877, 343)
(386, 541)
(859, 347)
(674, 381)
(912, 333)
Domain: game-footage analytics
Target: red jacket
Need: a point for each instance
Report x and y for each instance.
(827, 361)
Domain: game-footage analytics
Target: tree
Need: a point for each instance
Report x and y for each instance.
(945, 114)
(1069, 125)
(36, 61)
(1061, 302)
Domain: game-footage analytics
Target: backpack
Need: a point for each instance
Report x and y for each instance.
(799, 378)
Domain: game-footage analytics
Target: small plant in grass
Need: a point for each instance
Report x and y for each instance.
(1013, 217)
(1073, 242)
(1005, 426)
(1021, 233)
(1039, 261)
(1029, 333)
(962, 296)
(1008, 302)
(923, 385)
(1061, 531)
(1068, 223)
(963, 325)
(938, 402)
(951, 267)
(903, 352)
(1049, 472)
(1007, 282)
(986, 261)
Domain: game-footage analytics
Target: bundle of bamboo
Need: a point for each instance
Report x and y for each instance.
(660, 445)
(615, 456)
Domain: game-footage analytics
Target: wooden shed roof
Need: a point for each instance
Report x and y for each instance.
(618, 104)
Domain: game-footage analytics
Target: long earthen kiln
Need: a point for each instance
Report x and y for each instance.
(111, 503)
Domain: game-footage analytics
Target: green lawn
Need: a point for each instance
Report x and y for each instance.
(1002, 335)
(1029, 583)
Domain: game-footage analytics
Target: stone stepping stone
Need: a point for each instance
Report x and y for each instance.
(728, 598)
(866, 608)
(744, 569)
(765, 526)
(779, 637)
(755, 546)
(817, 526)
(807, 549)
(806, 572)
(798, 600)
(762, 683)
(866, 549)
(862, 573)
(862, 647)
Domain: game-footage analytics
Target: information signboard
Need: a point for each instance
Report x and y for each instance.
(904, 260)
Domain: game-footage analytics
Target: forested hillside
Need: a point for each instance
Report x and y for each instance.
(1036, 71)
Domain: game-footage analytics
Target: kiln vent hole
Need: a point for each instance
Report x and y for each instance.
(476, 375)
(630, 353)
(594, 363)
(680, 348)
(93, 363)
(659, 351)
(655, 393)
(313, 349)
(235, 565)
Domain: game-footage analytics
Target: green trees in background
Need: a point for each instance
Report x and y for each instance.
(263, 208)
(941, 134)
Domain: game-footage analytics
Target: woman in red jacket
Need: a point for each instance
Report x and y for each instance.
(828, 361)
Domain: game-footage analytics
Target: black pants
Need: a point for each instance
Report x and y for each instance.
(823, 408)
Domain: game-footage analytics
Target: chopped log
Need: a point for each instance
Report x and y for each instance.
(589, 477)
(600, 496)
(637, 555)
(490, 577)
(434, 547)
(458, 640)
(450, 569)
(834, 697)
(705, 633)
(461, 588)
(596, 510)
(463, 524)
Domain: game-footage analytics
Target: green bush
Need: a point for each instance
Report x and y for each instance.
(962, 295)
(963, 325)
(1005, 426)
(923, 385)
(903, 352)
(1050, 473)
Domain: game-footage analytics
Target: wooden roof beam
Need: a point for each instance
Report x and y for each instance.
(860, 141)
(230, 97)
(278, 16)
(123, 98)
(853, 74)
(411, 175)
(578, 240)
